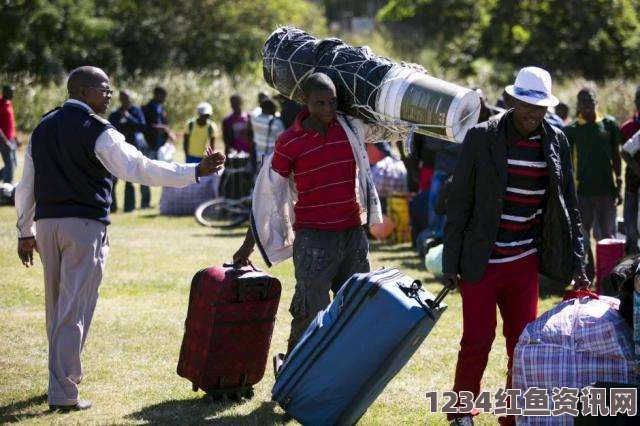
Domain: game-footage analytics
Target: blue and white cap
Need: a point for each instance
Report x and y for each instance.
(533, 86)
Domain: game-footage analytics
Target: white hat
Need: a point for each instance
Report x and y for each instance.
(533, 86)
(204, 108)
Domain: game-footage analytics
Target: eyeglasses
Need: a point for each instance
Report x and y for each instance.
(103, 90)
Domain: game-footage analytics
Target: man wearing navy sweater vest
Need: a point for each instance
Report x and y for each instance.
(66, 186)
(511, 214)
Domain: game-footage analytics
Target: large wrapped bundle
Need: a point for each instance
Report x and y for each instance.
(577, 343)
(184, 201)
(370, 87)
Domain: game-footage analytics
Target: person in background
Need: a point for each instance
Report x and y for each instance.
(289, 110)
(236, 127)
(157, 132)
(447, 157)
(595, 142)
(632, 182)
(200, 134)
(8, 140)
(128, 120)
(509, 216)
(562, 110)
(262, 96)
(66, 189)
(267, 127)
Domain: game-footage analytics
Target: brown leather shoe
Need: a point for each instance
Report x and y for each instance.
(82, 404)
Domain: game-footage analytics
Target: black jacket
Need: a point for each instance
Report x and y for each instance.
(476, 198)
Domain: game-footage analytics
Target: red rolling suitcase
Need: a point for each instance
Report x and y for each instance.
(228, 329)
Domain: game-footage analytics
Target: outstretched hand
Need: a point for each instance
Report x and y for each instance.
(26, 246)
(211, 163)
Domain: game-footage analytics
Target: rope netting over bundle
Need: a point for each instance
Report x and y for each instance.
(368, 86)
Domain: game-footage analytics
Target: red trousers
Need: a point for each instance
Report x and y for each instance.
(513, 288)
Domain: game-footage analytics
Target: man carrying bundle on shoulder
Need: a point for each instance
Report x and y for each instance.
(312, 198)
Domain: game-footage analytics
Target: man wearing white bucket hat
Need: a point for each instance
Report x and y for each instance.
(511, 214)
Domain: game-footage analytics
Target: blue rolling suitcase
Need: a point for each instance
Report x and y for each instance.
(355, 347)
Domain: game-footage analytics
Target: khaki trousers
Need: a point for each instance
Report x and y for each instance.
(73, 253)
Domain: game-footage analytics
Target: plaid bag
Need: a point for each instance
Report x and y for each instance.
(578, 342)
(184, 201)
(389, 176)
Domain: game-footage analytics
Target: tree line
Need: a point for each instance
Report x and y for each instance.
(597, 39)
(133, 37)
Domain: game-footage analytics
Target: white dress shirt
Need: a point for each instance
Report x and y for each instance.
(120, 158)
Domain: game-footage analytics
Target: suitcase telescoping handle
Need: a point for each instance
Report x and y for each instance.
(440, 297)
(416, 285)
(233, 265)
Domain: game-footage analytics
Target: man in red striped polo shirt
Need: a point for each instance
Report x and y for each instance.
(317, 152)
(511, 214)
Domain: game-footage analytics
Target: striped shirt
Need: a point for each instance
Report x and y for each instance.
(324, 172)
(266, 129)
(521, 220)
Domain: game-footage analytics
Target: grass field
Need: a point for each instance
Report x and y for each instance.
(132, 350)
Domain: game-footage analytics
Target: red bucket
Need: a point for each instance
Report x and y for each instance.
(608, 252)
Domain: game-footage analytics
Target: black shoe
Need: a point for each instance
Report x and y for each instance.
(82, 404)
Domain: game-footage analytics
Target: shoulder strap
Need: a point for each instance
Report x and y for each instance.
(346, 119)
(50, 112)
(269, 126)
(99, 119)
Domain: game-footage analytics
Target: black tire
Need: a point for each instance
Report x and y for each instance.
(216, 214)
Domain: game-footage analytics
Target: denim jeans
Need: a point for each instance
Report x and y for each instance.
(436, 221)
(323, 261)
(9, 158)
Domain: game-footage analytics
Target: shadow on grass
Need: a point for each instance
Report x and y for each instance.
(234, 234)
(385, 247)
(204, 410)
(151, 216)
(12, 413)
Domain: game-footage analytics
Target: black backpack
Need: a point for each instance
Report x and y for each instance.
(620, 283)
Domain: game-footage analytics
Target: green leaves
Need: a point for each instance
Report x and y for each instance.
(597, 39)
(49, 37)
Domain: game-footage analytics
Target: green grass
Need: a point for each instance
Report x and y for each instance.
(132, 350)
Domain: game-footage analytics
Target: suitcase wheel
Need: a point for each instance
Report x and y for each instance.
(249, 393)
(194, 387)
(231, 395)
